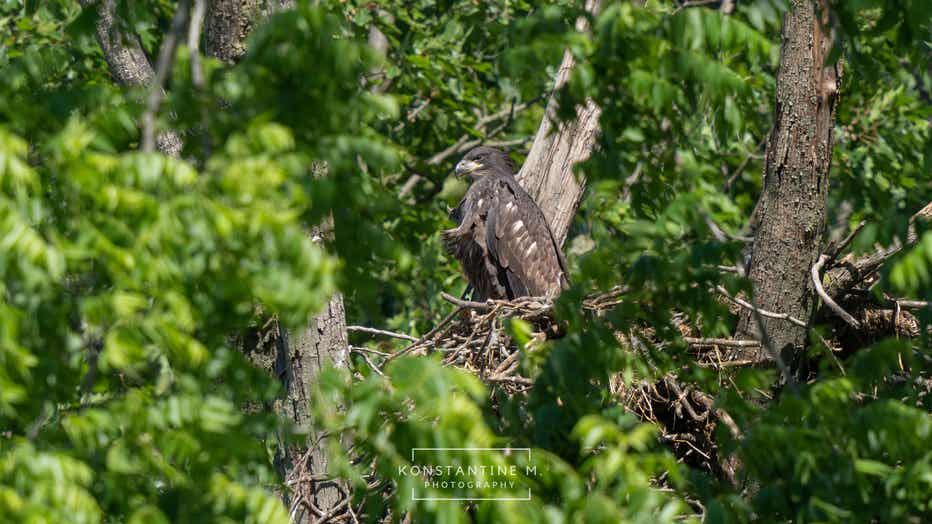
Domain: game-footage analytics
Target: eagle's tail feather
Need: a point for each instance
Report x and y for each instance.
(516, 286)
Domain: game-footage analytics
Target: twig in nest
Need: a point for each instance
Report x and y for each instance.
(743, 303)
(383, 332)
(721, 364)
(335, 510)
(489, 339)
(817, 282)
(722, 415)
(683, 399)
(605, 300)
(711, 342)
(528, 306)
(834, 251)
(468, 304)
(522, 381)
(504, 367)
(765, 337)
(425, 340)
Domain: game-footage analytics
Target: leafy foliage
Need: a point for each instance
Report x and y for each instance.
(447, 414)
(124, 275)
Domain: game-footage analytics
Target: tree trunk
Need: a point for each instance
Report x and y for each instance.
(791, 208)
(297, 358)
(127, 61)
(321, 344)
(547, 174)
(227, 24)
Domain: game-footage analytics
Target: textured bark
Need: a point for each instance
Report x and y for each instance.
(127, 61)
(321, 344)
(297, 359)
(547, 174)
(227, 25)
(229, 22)
(791, 208)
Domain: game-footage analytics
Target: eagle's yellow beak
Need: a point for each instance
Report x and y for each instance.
(465, 167)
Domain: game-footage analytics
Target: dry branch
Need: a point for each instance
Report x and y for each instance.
(817, 282)
(849, 272)
(712, 342)
(383, 332)
(163, 68)
(743, 303)
(127, 60)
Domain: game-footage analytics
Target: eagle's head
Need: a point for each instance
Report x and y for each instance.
(484, 160)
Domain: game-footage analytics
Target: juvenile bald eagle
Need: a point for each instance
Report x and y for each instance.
(503, 240)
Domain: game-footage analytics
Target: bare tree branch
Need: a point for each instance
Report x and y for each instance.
(373, 331)
(848, 273)
(747, 305)
(815, 272)
(914, 304)
(127, 61)
(162, 70)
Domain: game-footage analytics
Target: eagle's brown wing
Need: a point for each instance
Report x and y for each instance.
(520, 241)
(468, 244)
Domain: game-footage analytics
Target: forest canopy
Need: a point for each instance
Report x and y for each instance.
(226, 295)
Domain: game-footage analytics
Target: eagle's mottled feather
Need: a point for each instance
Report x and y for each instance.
(503, 240)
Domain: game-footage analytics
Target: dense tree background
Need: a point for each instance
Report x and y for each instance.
(150, 295)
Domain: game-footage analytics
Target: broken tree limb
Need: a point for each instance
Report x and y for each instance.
(547, 174)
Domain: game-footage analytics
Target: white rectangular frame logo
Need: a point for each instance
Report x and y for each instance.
(528, 450)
